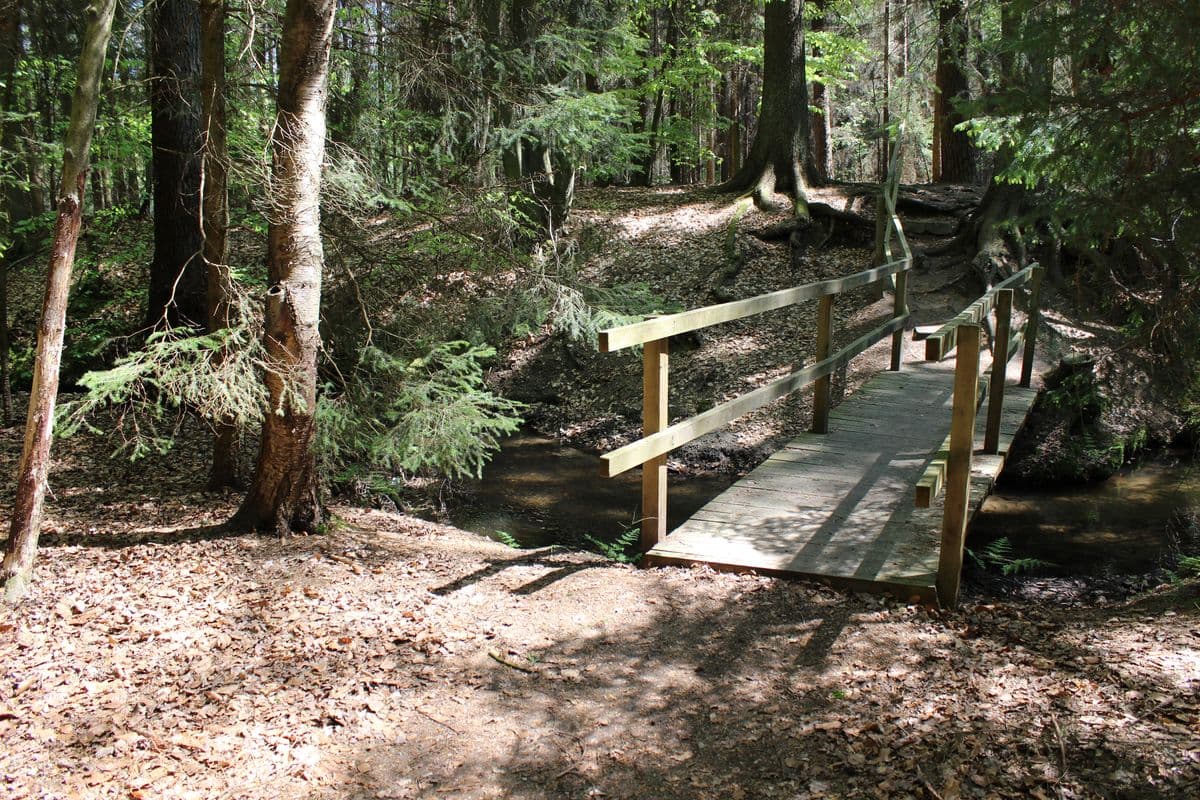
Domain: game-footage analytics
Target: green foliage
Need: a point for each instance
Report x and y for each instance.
(1102, 124)
(999, 554)
(217, 376)
(430, 414)
(507, 539)
(581, 312)
(1188, 567)
(623, 550)
(1079, 395)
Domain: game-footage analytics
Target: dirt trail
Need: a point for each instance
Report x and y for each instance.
(395, 658)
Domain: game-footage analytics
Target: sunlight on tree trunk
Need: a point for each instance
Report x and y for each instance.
(284, 494)
(17, 570)
(779, 159)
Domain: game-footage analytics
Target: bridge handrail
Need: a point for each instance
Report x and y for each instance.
(954, 463)
(659, 438)
(663, 327)
(942, 341)
(692, 428)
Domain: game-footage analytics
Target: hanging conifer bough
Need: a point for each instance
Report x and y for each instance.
(779, 159)
(284, 494)
(17, 569)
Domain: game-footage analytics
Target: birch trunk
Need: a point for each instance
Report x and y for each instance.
(284, 494)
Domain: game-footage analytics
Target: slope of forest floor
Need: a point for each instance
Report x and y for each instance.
(696, 248)
(396, 658)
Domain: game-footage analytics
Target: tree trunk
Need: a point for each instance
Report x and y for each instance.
(284, 494)
(177, 283)
(17, 569)
(779, 159)
(821, 119)
(955, 154)
(214, 199)
(15, 203)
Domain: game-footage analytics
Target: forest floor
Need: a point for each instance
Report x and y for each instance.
(398, 658)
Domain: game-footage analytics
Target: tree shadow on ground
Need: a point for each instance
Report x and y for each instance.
(777, 691)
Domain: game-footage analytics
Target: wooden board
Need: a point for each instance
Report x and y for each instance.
(838, 506)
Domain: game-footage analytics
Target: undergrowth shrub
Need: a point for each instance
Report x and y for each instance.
(398, 415)
(216, 376)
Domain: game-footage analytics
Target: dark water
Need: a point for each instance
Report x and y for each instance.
(1106, 539)
(542, 492)
(1131, 523)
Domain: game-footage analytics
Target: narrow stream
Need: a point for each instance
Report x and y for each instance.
(541, 492)
(1108, 538)
(1126, 524)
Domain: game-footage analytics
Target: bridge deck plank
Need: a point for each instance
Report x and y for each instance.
(839, 506)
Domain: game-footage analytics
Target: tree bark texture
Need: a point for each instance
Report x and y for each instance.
(177, 283)
(821, 119)
(284, 493)
(956, 155)
(15, 202)
(214, 200)
(779, 158)
(17, 568)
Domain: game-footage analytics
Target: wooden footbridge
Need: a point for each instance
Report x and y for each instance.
(879, 494)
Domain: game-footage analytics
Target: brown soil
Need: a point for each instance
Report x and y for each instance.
(395, 658)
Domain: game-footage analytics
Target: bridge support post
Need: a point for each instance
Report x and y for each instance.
(958, 467)
(1033, 315)
(655, 386)
(899, 309)
(824, 345)
(1004, 303)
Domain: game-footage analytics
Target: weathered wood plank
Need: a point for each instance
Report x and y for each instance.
(655, 363)
(821, 385)
(958, 466)
(1031, 326)
(836, 506)
(683, 432)
(995, 404)
(672, 324)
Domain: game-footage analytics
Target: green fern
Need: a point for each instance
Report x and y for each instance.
(1000, 555)
(507, 539)
(623, 549)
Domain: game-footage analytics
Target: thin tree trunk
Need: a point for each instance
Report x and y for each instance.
(821, 121)
(15, 202)
(881, 146)
(17, 569)
(214, 199)
(284, 495)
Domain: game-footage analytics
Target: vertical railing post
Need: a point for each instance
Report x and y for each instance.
(958, 467)
(655, 378)
(1033, 318)
(995, 411)
(821, 393)
(899, 309)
